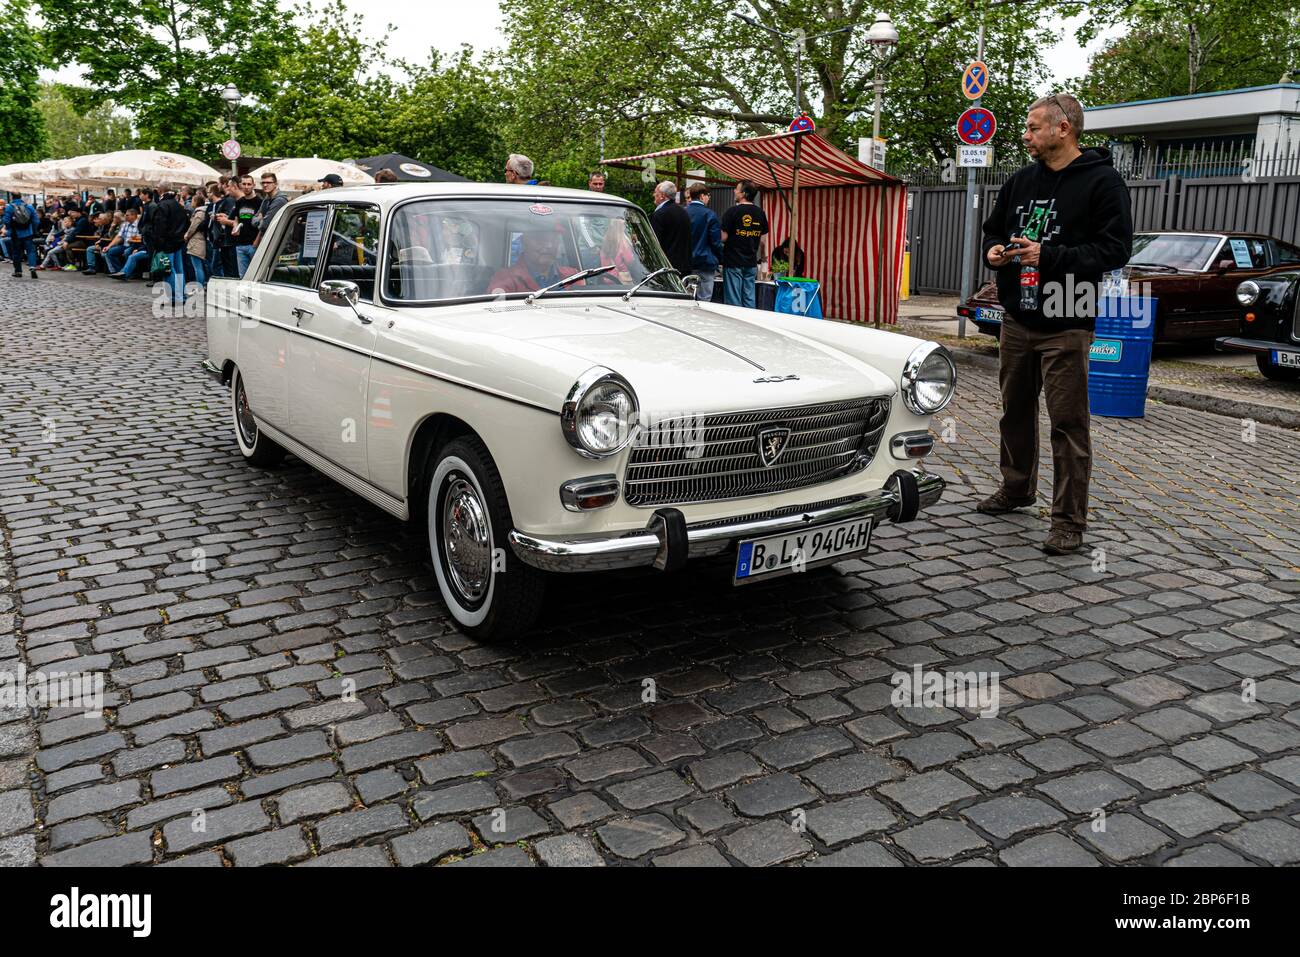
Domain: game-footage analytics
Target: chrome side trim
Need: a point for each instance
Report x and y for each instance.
(349, 480)
(640, 548)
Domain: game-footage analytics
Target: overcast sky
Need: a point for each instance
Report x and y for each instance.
(477, 22)
(447, 24)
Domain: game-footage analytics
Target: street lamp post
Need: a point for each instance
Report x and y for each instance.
(881, 36)
(231, 96)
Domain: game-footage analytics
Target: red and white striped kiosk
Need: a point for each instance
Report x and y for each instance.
(847, 217)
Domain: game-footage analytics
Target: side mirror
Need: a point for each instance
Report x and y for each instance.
(692, 284)
(339, 292)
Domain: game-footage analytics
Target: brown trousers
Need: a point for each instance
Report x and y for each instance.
(1055, 362)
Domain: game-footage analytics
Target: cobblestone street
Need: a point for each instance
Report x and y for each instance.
(1150, 685)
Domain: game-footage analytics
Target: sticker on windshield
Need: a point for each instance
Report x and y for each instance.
(1240, 253)
(540, 209)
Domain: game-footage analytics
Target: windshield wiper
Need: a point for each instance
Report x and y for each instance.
(627, 296)
(569, 281)
(1140, 266)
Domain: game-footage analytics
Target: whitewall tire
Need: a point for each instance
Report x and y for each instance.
(491, 594)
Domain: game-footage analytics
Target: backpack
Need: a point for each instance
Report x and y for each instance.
(20, 218)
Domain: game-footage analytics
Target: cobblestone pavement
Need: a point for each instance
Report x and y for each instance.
(228, 607)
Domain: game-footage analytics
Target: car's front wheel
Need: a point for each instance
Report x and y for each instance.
(1270, 371)
(254, 446)
(492, 595)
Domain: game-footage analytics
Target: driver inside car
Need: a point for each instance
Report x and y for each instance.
(538, 265)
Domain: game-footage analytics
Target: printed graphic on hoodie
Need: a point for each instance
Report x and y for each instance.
(1038, 220)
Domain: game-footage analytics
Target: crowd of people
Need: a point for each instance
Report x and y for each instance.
(189, 234)
(180, 235)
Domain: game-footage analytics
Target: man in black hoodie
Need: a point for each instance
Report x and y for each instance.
(1060, 224)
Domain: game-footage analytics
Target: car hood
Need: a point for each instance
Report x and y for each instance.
(678, 356)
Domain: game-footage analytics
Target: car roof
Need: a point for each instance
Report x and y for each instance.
(389, 194)
(1201, 232)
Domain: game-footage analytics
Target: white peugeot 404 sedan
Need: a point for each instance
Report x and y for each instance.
(520, 369)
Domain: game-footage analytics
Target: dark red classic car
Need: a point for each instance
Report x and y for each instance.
(1193, 275)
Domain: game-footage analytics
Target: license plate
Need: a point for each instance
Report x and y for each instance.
(801, 549)
(1287, 360)
(986, 314)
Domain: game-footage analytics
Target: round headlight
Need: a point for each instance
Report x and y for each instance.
(600, 414)
(929, 379)
(1248, 292)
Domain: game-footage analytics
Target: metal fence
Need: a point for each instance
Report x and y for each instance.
(1195, 161)
(1163, 200)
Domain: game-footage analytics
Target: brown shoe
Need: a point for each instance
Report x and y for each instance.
(1000, 503)
(1062, 542)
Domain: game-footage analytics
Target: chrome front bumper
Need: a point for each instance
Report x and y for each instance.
(662, 545)
(1257, 346)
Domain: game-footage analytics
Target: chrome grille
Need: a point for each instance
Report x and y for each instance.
(710, 458)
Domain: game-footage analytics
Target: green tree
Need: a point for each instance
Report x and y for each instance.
(330, 95)
(166, 61)
(687, 63)
(23, 138)
(453, 114)
(1178, 47)
(73, 132)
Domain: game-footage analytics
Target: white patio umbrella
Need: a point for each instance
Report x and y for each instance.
(62, 168)
(35, 177)
(140, 168)
(300, 174)
(8, 180)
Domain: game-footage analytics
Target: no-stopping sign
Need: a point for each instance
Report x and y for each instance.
(976, 126)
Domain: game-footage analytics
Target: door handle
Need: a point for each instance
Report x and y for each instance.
(301, 313)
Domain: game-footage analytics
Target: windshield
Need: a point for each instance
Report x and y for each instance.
(1169, 249)
(441, 250)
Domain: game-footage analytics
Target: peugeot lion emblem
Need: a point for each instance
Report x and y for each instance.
(771, 443)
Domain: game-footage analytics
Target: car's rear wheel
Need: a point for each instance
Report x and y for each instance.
(492, 595)
(1270, 371)
(254, 446)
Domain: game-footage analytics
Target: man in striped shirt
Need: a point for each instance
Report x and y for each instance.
(126, 253)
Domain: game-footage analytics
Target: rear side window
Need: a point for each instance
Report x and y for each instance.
(295, 261)
(1287, 255)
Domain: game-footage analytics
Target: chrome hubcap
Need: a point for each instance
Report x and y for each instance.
(244, 416)
(466, 539)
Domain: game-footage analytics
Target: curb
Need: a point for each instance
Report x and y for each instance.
(1232, 408)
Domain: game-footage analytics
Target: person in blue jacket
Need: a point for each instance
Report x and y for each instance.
(20, 222)
(706, 240)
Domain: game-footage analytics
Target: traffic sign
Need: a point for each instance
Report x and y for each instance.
(968, 156)
(975, 80)
(976, 126)
(230, 149)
